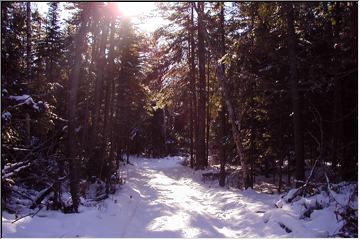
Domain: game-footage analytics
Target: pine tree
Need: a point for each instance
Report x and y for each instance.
(74, 165)
(200, 152)
(296, 98)
(53, 42)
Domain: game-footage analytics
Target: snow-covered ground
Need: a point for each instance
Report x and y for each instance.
(162, 198)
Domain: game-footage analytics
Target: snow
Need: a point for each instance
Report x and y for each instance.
(15, 171)
(163, 198)
(4, 92)
(267, 68)
(25, 100)
(20, 98)
(78, 129)
(55, 85)
(6, 116)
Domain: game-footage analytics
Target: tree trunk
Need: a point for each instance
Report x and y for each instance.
(201, 162)
(192, 85)
(74, 164)
(28, 41)
(85, 113)
(100, 77)
(191, 129)
(98, 94)
(109, 101)
(207, 110)
(251, 155)
(85, 132)
(28, 66)
(295, 97)
(93, 66)
(222, 176)
(337, 115)
(234, 120)
(280, 154)
(112, 120)
(235, 126)
(27, 126)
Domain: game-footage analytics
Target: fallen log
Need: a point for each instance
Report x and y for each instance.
(101, 197)
(43, 193)
(301, 190)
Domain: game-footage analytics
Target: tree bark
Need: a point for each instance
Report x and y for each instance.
(90, 132)
(74, 164)
(200, 152)
(28, 128)
(192, 84)
(28, 67)
(295, 97)
(222, 111)
(100, 77)
(28, 40)
(109, 101)
(234, 120)
(99, 96)
(222, 176)
(207, 110)
(191, 117)
(235, 126)
(337, 123)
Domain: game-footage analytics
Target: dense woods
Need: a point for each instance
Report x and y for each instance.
(270, 87)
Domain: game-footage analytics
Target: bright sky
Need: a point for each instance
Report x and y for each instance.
(143, 14)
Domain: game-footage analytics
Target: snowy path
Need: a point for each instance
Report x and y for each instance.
(161, 199)
(167, 202)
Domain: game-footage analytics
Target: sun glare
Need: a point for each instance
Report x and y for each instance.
(143, 14)
(133, 9)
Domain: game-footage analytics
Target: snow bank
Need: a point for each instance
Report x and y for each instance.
(320, 214)
(162, 198)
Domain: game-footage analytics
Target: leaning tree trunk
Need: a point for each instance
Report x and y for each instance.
(74, 164)
(234, 120)
(295, 97)
(235, 127)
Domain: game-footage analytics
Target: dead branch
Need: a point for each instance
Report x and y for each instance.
(43, 193)
(302, 189)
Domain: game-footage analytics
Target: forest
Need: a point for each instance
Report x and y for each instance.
(257, 98)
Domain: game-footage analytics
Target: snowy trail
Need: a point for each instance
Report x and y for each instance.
(161, 199)
(175, 203)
